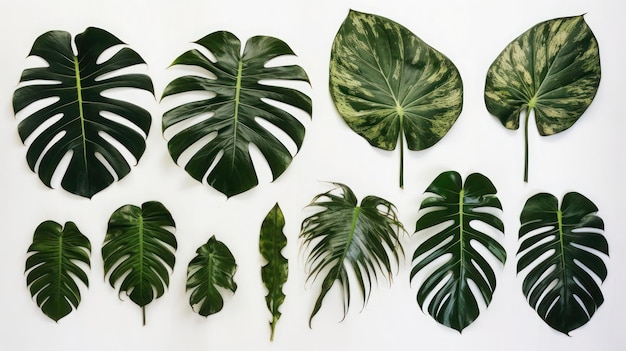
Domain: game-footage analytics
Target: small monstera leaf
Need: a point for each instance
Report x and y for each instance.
(560, 248)
(76, 122)
(348, 236)
(214, 267)
(230, 117)
(389, 85)
(454, 208)
(138, 249)
(53, 267)
(552, 69)
(275, 272)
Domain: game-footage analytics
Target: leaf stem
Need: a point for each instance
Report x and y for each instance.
(526, 143)
(401, 160)
(143, 314)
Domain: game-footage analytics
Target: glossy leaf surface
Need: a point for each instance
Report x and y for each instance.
(138, 251)
(389, 85)
(75, 122)
(53, 267)
(344, 236)
(274, 274)
(562, 248)
(240, 91)
(212, 269)
(552, 69)
(453, 210)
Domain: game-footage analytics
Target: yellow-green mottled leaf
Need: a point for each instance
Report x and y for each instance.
(386, 82)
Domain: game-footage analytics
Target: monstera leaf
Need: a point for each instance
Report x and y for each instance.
(560, 248)
(389, 85)
(552, 69)
(53, 267)
(76, 122)
(230, 118)
(275, 272)
(214, 267)
(348, 236)
(138, 249)
(454, 209)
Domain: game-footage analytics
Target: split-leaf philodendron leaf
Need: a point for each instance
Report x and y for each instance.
(347, 236)
(560, 250)
(389, 85)
(454, 209)
(54, 266)
(212, 269)
(552, 69)
(138, 249)
(227, 123)
(274, 274)
(75, 121)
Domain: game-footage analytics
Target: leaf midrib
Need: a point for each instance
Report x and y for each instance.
(81, 113)
(236, 112)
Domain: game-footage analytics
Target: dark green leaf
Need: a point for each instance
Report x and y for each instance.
(53, 267)
(389, 85)
(240, 93)
(275, 272)
(552, 69)
(346, 236)
(138, 249)
(455, 208)
(77, 83)
(214, 267)
(561, 248)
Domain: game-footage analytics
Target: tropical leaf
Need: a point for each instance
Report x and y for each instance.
(275, 272)
(138, 249)
(214, 267)
(53, 267)
(347, 236)
(389, 85)
(240, 93)
(552, 69)
(75, 122)
(561, 249)
(454, 211)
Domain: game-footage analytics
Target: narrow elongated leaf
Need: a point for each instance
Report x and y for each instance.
(389, 85)
(454, 208)
(138, 249)
(214, 267)
(230, 118)
(275, 272)
(348, 236)
(552, 69)
(561, 248)
(53, 267)
(74, 121)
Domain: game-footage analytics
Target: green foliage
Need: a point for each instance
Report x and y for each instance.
(389, 85)
(347, 236)
(214, 267)
(138, 249)
(237, 104)
(453, 210)
(78, 82)
(275, 272)
(561, 249)
(53, 266)
(552, 69)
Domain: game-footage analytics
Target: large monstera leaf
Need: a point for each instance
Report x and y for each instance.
(240, 98)
(389, 85)
(453, 210)
(212, 269)
(560, 250)
(54, 266)
(77, 121)
(346, 236)
(552, 69)
(138, 249)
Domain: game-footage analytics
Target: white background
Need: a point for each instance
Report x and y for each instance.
(588, 158)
